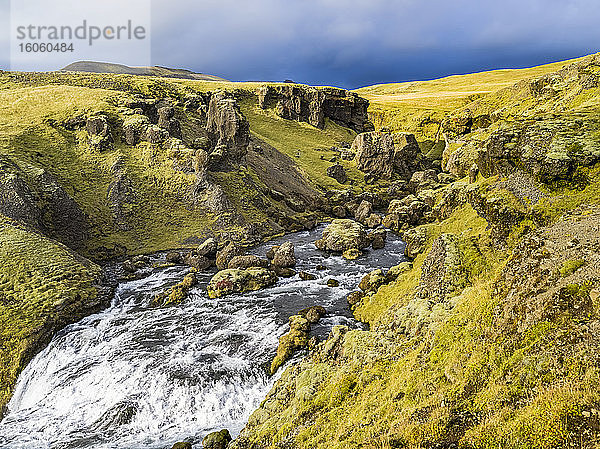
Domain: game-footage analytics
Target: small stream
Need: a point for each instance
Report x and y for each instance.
(138, 377)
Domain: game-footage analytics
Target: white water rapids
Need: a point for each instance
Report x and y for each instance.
(134, 376)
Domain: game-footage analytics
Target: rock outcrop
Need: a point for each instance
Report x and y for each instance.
(284, 256)
(374, 154)
(313, 105)
(216, 440)
(407, 154)
(248, 261)
(338, 173)
(99, 135)
(34, 197)
(229, 128)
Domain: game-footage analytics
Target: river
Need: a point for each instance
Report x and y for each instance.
(134, 376)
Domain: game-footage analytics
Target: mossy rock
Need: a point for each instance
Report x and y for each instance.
(351, 254)
(372, 281)
(342, 235)
(217, 440)
(177, 293)
(296, 338)
(236, 280)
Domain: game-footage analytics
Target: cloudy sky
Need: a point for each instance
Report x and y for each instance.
(353, 43)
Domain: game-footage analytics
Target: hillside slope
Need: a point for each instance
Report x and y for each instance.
(107, 67)
(420, 107)
(489, 337)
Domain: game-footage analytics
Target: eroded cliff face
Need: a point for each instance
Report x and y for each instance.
(315, 104)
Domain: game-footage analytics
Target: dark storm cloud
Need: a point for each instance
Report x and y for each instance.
(353, 43)
(359, 42)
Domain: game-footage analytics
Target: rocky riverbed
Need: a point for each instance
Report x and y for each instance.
(136, 375)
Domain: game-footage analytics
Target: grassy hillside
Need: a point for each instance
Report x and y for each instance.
(421, 106)
(106, 67)
(34, 109)
(489, 338)
(43, 286)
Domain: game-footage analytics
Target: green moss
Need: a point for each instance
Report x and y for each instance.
(421, 107)
(570, 266)
(42, 284)
(177, 293)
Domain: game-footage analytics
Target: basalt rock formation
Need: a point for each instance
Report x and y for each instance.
(313, 105)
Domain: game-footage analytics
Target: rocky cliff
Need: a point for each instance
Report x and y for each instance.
(313, 105)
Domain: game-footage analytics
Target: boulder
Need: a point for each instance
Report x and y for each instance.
(423, 180)
(173, 257)
(351, 254)
(177, 293)
(416, 239)
(313, 314)
(208, 248)
(230, 281)
(374, 154)
(198, 262)
(226, 254)
(134, 128)
(217, 440)
(248, 261)
(363, 211)
(411, 210)
(338, 173)
(393, 222)
(295, 339)
(339, 211)
(99, 135)
(284, 272)
(342, 235)
(354, 298)
(284, 256)
(182, 445)
(156, 135)
(394, 272)
(168, 122)
(373, 221)
(372, 281)
(407, 154)
(333, 283)
(378, 241)
(307, 276)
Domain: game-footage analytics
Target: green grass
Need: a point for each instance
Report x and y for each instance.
(33, 107)
(420, 106)
(30, 139)
(303, 140)
(40, 281)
